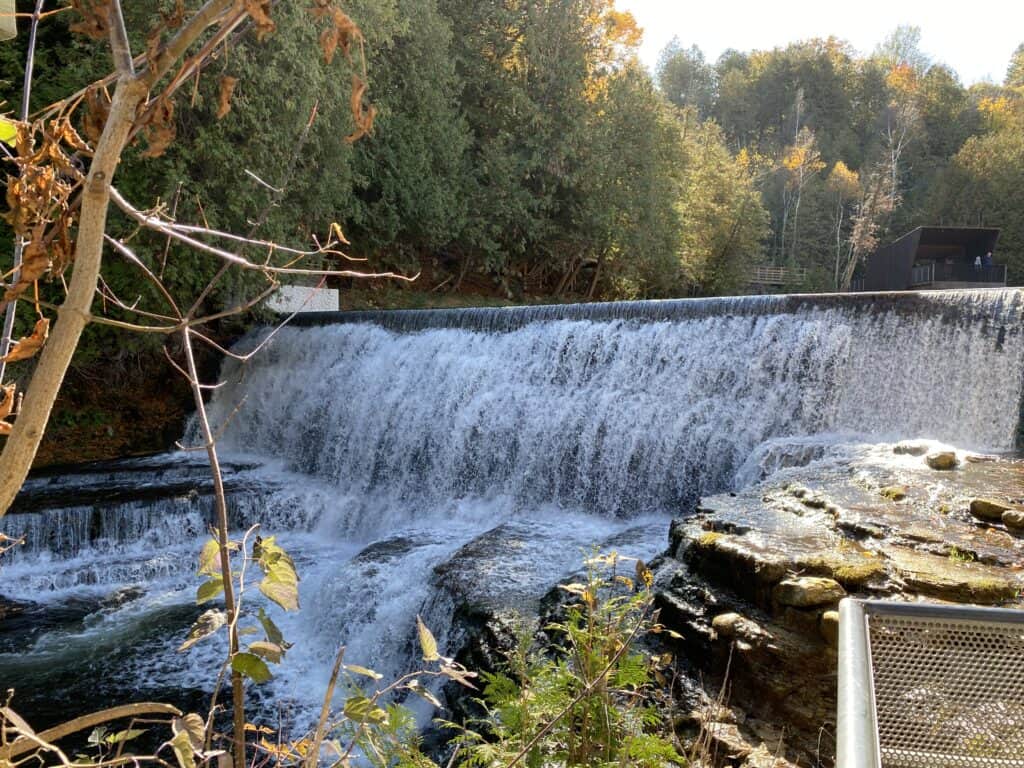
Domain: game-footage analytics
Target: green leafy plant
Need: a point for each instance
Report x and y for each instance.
(594, 700)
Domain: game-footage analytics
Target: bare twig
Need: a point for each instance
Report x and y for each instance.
(314, 752)
(221, 508)
(127, 252)
(239, 261)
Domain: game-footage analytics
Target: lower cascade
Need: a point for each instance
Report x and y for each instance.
(411, 462)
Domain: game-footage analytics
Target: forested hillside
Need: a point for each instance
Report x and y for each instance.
(519, 151)
(851, 149)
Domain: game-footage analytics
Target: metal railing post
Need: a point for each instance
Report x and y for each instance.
(857, 734)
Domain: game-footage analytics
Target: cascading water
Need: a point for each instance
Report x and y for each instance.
(412, 460)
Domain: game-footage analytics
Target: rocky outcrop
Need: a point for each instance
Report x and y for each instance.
(752, 581)
(942, 460)
(990, 509)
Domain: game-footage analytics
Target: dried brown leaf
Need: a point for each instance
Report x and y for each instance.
(64, 132)
(28, 346)
(175, 18)
(329, 43)
(95, 21)
(97, 109)
(348, 31)
(61, 248)
(227, 89)
(7, 400)
(159, 127)
(154, 41)
(259, 12)
(321, 9)
(362, 116)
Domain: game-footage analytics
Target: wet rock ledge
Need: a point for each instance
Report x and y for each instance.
(752, 581)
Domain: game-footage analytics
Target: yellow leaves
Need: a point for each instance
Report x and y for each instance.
(227, 88)
(794, 158)
(621, 28)
(752, 163)
(803, 159)
(338, 234)
(362, 116)
(8, 131)
(287, 753)
(1001, 112)
(427, 642)
(902, 78)
(644, 575)
(280, 581)
(843, 182)
(28, 346)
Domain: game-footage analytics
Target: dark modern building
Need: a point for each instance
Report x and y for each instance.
(933, 258)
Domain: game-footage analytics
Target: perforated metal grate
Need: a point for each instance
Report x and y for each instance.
(948, 693)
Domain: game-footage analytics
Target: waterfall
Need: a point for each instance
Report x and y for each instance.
(621, 408)
(407, 458)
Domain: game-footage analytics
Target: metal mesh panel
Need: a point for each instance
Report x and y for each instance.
(948, 693)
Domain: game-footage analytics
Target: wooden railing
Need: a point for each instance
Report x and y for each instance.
(767, 275)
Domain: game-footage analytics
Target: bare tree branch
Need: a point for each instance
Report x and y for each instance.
(119, 45)
(170, 230)
(175, 48)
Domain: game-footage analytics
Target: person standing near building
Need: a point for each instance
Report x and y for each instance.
(986, 260)
(977, 263)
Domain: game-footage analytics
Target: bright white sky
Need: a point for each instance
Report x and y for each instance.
(975, 38)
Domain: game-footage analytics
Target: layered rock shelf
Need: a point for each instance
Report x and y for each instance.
(753, 580)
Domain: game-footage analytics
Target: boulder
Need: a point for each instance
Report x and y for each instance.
(991, 509)
(1014, 518)
(910, 449)
(808, 592)
(894, 492)
(942, 460)
(977, 458)
(961, 582)
(739, 563)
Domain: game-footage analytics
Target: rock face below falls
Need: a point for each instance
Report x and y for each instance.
(752, 581)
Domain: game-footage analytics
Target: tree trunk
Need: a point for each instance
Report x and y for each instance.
(27, 433)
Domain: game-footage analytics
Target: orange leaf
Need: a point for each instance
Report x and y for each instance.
(227, 88)
(27, 346)
(329, 43)
(7, 400)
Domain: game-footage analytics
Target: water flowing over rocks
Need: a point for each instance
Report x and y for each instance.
(460, 464)
(753, 579)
